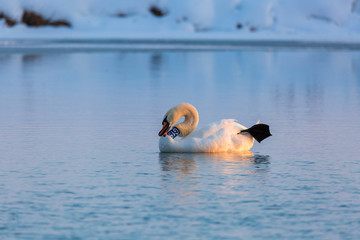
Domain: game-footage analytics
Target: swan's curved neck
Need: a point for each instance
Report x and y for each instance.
(191, 118)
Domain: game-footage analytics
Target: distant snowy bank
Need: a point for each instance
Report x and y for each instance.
(317, 20)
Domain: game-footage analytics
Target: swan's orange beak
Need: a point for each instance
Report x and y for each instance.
(165, 128)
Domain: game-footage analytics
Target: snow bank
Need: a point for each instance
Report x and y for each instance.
(247, 19)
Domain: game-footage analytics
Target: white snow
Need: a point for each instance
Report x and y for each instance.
(318, 20)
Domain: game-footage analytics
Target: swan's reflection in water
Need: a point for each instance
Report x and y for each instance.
(183, 163)
(187, 175)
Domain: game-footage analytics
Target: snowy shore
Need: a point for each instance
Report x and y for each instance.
(313, 23)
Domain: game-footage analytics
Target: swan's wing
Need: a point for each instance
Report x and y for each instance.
(228, 124)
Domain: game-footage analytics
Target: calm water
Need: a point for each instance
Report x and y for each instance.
(79, 156)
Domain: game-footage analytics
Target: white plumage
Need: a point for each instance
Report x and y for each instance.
(222, 136)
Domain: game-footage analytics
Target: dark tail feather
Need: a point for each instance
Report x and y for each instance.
(259, 131)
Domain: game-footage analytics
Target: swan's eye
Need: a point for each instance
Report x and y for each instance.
(165, 121)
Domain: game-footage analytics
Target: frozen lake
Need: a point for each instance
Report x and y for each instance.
(79, 154)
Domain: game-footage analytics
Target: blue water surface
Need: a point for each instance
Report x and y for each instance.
(79, 154)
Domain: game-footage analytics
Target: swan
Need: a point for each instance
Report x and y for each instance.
(223, 136)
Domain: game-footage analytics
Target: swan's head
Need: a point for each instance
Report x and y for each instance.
(174, 114)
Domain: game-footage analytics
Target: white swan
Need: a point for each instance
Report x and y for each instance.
(224, 136)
